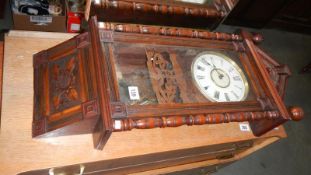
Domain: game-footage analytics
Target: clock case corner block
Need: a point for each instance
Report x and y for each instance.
(76, 87)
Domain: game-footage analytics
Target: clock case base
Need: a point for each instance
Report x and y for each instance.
(76, 88)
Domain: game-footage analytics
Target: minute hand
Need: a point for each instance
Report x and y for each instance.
(220, 75)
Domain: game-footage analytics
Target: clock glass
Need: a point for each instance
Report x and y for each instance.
(219, 78)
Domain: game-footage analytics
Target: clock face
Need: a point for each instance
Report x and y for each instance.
(219, 78)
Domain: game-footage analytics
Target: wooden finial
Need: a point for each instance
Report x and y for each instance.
(257, 38)
(296, 113)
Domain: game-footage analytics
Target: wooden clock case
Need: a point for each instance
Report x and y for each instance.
(180, 13)
(78, 89)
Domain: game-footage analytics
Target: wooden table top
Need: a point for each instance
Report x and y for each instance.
(20, 152)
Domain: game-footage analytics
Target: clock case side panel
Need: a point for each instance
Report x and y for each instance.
(104, 125)
(65, 93)
(167, 13)
(273, 78)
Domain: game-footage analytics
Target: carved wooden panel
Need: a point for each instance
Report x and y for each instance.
(65, 89)
(65, 83)
(163, 76)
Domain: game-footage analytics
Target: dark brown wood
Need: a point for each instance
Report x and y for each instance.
(175, 121)
(157, 61)
(169, 13)
(2, 8)
(278, 73)
(250, 12)
(168, 31)
(66, 100)
(292, 15)
(306, 68)
(104, 127)
(201, 119)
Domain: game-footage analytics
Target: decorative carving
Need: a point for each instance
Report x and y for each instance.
(118, 109)
(296, 113)
(64, 84)
(163, 77)
(265, 103)
(175, 121)
(169, 31)
(220, 6)
(82, 40)
(156, 8)
(90, 109)
(277, 72)
(238, 46)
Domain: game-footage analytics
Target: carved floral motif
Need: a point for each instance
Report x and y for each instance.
(64, 83)
(163, 77)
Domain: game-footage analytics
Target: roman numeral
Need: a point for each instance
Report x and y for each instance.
(201, 68)
(231, 69)
(236, 95)
(216, 94)
(200, 77)
(205, 62)
(206, 87)
(238, 87)
(227, 97)
(236, 78)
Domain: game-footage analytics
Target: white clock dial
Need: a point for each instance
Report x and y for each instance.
(219, 78)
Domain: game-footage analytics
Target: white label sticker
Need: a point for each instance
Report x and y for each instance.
(41, 19)
(75, 27)
(133, 91)
(244, 127)
(117, 124)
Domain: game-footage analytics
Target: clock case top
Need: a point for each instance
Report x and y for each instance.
(206, 14)
(77, 91)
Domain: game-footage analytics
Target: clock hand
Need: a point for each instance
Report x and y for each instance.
(220, 75)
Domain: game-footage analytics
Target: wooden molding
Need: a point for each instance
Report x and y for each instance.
(168, 31)
(210, 118)
(154, 7)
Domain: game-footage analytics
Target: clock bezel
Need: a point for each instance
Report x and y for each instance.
(235, 65)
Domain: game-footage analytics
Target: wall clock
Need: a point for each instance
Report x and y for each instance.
(119, 77)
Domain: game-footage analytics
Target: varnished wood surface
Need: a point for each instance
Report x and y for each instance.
(1, 74)
(19, 152)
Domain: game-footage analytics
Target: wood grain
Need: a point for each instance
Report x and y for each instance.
(1, 74)
(19, 152)
(161, 12)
